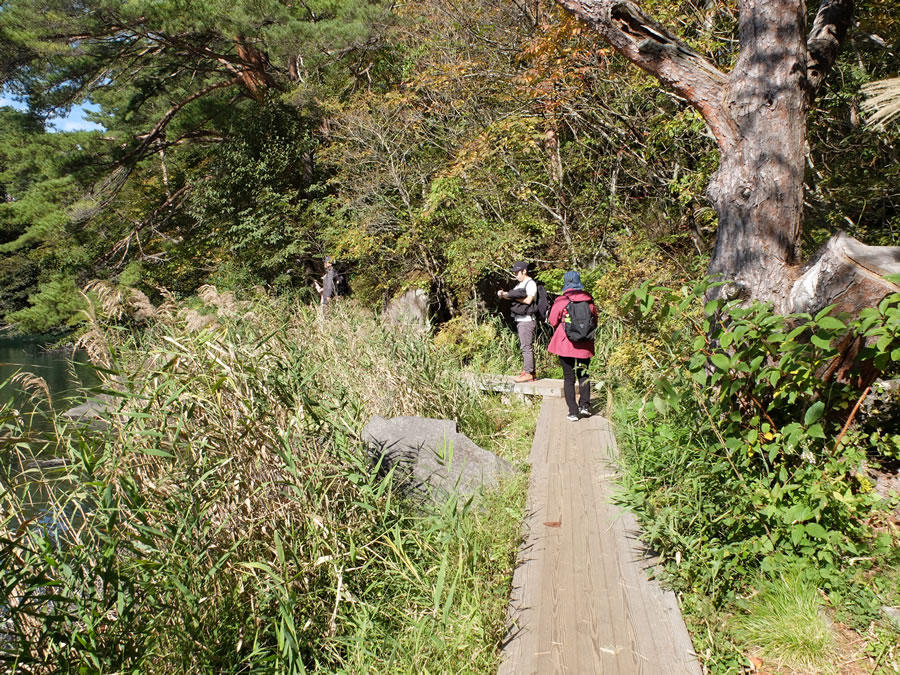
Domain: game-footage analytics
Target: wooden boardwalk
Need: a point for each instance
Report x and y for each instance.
(581, 600)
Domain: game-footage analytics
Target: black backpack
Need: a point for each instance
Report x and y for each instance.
(542, 302)
(341, 284)
(580, 322)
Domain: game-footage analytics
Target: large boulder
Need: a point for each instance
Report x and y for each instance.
(410, 308)
(430, 458)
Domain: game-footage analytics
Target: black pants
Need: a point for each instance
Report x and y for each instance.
(576, 369)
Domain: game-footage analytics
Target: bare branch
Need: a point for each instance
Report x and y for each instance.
(160, 126)
(651, 47)
(168, 207)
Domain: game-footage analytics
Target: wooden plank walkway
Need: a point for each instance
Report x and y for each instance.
(507, 384)
(581, 600)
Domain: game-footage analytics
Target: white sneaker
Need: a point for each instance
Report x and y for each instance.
(572, 418)
(584, 412)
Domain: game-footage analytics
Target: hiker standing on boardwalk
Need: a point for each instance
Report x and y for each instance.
(522, 312)
(574, 319)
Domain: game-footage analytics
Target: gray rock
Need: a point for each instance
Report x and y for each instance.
(90, 413)
(430, 458)
(409, 308)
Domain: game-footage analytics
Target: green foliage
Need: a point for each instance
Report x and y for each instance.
(784, 624)
(592, 279)
(484, 155)
(630, 349)
(256, 196)
(766, 476)
(229, 519)
(422, 144)
(188, 95)
(41, 176)
(58, 303)
(465, 339)
(858, 197)
(491, 345)
(738, 462)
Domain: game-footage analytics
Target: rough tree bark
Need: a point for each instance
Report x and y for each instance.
(758, 114)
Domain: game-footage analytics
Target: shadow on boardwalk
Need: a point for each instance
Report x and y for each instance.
(581, 600)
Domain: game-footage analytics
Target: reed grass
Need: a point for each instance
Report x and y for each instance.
(228, 520)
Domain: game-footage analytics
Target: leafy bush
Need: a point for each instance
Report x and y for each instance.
(465, 338)
(58, 303)
(256, 197)
(739, 462)
(490, 345)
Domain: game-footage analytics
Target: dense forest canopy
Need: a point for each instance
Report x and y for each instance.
(424, 144)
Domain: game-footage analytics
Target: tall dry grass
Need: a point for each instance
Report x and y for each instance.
(228, 520)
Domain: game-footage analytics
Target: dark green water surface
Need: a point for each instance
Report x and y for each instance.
(64, 371)
(67, 374)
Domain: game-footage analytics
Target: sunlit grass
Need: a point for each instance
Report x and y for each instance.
(230, 520)
(785, 626)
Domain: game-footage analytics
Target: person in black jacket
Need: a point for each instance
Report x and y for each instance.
(328, 289)
(522, 311)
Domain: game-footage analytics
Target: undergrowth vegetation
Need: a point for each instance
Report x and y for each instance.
(227, 519)
(740, 460)
(786, 622)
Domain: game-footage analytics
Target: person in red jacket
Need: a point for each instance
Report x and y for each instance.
(575, 357)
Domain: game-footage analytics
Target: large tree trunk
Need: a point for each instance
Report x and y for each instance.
(758, 115)
(758, 190)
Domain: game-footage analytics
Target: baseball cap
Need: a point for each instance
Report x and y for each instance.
(520, 265)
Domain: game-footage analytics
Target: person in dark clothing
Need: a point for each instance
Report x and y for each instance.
(575, 357)
(328, 288)
(522, 311)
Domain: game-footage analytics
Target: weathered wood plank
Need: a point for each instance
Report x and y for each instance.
(665, 642)
(550, 603)
(626, 611)
(598, 552)
(662, 641)
(581, 599)
(520, 643)
(549, 388)
(594, 620)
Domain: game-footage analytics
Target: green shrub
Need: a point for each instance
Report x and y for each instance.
(786, 626)
(467, 339)
(57, 303)
(737, 461)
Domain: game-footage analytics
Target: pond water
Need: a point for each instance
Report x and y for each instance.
(67, 375)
